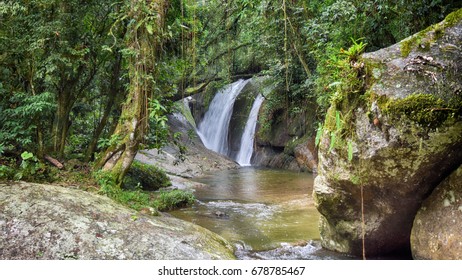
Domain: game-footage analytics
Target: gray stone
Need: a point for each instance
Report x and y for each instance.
(52, 222)
(437, 230)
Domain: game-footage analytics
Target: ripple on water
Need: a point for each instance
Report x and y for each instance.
(258, 211)
(257, 208)
(312, 250)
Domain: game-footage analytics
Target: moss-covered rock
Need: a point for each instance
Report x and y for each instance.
(437, 230)
(394, 143)
(148, 176)
(283, 135)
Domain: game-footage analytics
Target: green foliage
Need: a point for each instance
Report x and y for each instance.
(138, 199)
(6, 172)
(21, 116)
(51, 59)
(355, 50)
(31, 169)
(29, 166)
(104, 143)
(135, 199)
(170, 200)
(336, 131)
(148, 176)
(158, 133)
(343, 71)
(319, 132)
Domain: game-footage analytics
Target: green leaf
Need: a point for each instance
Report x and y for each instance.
(332, 141)
(318, 134)
(27, 155)
(338, 121)
(149, 29)
(350, 151)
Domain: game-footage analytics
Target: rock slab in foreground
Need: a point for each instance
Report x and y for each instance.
(437, 230)
(52, 222)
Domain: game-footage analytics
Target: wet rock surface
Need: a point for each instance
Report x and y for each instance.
(437, 230)
(197, 158)
(52, 222)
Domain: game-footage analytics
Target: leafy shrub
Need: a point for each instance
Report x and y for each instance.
(6, 172)
(31, 169)
(20, 116)
(169, 200)
(135, 199)
(138, 199)
(149, 176)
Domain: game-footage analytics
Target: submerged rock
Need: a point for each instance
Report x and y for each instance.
(437, 230)
(52, 222)
(401, 134)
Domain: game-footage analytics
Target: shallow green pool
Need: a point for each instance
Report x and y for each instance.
(260, 209)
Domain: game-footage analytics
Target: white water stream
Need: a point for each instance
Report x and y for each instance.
(247, 140)
(213, 130)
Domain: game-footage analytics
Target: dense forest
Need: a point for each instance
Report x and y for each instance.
(94, 80)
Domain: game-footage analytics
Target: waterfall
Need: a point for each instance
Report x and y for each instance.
(213, 130)
(246, 150)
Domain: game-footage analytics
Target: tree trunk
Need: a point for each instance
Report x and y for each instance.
(114, 91)
(143, 41)
(61, 125)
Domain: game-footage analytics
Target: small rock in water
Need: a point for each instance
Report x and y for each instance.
(220, 214)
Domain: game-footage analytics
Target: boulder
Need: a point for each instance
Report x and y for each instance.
(52, 222)
(386, 146)
(437, 230)
(283, 138)
(268, 156)
(298, 155)
(307, 156)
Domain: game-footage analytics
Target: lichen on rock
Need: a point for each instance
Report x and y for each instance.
(404, 134)
(52, 222)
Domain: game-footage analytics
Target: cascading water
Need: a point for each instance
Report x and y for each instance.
(213, 130)
(246, 150)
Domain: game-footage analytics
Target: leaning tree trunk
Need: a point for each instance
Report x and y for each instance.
(142, 41)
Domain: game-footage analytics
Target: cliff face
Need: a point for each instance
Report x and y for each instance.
(400, 136)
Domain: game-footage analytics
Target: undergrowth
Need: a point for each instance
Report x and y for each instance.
(138, 199)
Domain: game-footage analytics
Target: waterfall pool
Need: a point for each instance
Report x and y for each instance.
(267, 214)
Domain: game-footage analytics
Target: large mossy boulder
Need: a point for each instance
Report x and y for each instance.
(52, 222)
(437, 230)
(386, 146)
(149, 177)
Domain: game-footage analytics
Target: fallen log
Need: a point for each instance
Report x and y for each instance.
(54, 161)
